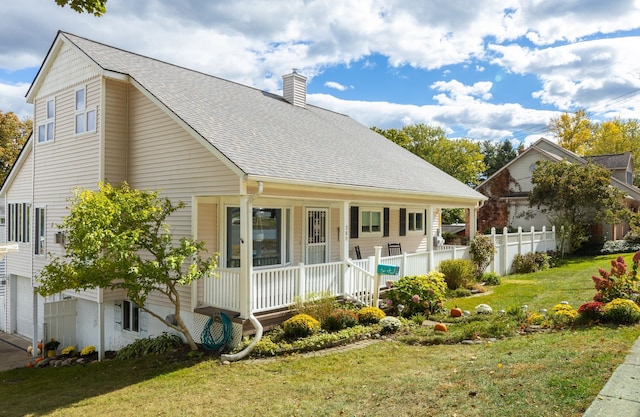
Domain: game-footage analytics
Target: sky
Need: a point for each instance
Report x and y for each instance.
(485, 70)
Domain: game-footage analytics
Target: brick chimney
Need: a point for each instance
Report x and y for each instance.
(294, 89)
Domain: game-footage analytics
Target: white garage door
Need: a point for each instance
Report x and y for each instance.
(24, 307)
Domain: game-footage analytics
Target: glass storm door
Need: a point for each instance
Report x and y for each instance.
(317, 241)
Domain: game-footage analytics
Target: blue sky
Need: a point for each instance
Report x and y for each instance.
(485, 70)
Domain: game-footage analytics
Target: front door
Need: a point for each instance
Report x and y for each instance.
(317, 241)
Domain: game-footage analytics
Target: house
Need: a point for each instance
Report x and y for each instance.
(284, 191)
(508, 189)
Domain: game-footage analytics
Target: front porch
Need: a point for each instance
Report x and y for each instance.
(276, 289)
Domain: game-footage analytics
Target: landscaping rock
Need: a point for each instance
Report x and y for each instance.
(484, 309)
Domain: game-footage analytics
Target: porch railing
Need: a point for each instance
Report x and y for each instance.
(275, 288)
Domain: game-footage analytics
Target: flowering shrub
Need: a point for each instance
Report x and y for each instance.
(618, 282)
(300, 325)
(591, 311)
(621, 311)
(422, 294)
(390, 324)
(339, 320)
(370, 315)
(536, 319)
(563, 315)
(69, 350)
(87, 350)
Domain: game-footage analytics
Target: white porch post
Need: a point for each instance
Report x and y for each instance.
(343, 235)
(430, 234)
(246, 255)
(473, 222)
(376, 276)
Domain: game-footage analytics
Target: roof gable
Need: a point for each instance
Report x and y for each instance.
(268, 138)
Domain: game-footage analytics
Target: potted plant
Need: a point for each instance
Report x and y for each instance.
(51, 347)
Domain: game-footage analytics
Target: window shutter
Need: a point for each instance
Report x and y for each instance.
(403, 222)
(353, 233)
(424, 222)
(385, 224)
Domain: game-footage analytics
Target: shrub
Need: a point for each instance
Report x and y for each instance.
(591, 311)
(621, 311)
(318, 305)
(390, 324)
(69, 350)
(536, 319)
(517, 313)
(617, 282)
(482, 251)
(429, 289)
(370, 315)
(339, 320)
(142, 347)
(530, 262)
(562, 315)
(490, 278)
(300, 325)
(457, 272)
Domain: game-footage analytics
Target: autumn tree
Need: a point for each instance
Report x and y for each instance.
(94, 7)
(575, 196)
(574, 132)
(460, 158)
(118, 238)
(13, 135)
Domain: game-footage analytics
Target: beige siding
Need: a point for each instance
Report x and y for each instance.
(68, 162)
(163, 156)
(70, 68)
(116, 137)
(521, 172)
(20, 191)
(207, 232)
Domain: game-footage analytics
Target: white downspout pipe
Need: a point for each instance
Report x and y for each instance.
(256, 323)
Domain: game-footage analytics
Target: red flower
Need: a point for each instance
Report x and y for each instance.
(636, 257)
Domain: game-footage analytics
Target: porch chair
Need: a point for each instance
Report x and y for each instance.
(394, 249)
(357, 249)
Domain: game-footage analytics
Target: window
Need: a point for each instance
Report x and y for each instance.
(46, 129)
(415, 221)
(371, 221)
(130, 316)
(18, 219)
(41, 229)
(270, 226)
(85, 118)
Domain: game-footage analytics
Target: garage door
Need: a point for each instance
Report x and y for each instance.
(24, 307)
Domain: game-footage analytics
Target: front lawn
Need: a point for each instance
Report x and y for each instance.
(557, 373)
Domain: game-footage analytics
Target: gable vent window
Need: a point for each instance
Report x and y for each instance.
(85, 117)
(46, 129)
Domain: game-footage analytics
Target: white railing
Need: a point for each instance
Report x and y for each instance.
(275, 288)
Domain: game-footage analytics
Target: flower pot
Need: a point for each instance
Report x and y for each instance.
(51, 354)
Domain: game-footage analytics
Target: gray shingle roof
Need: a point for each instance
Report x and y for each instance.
(265, 136)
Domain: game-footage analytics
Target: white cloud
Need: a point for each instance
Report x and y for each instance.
(336, 86)
(12, 99)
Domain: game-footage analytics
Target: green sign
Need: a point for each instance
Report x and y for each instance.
(388, 269)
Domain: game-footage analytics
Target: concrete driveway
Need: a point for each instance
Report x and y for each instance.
(13, 352)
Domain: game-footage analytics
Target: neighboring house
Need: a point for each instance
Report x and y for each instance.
(282, 190)
(508, 189)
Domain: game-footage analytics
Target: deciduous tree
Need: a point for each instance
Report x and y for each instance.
(118, 238)
(94, 7)
(13, 135)
(574, 196)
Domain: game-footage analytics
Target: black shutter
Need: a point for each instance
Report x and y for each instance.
(385, 222)
(424, 222)
(403, 222)
(353, 224)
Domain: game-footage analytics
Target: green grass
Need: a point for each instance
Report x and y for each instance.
(549, 374)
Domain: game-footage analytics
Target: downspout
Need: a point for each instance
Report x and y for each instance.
(256, 323)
